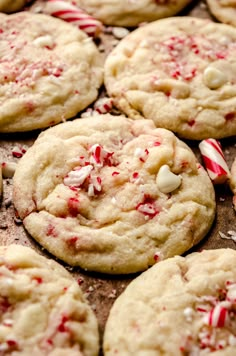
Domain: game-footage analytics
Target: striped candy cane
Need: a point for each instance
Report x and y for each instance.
(214, 160)
(74, 15)
(217, 317)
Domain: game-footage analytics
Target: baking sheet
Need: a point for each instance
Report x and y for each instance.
(102, 290)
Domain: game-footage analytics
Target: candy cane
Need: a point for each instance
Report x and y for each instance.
(214, 160)
(74, 15)
(217, 317)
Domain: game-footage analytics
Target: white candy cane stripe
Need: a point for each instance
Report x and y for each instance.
(74, 15)
(214, 160)
(217, 317)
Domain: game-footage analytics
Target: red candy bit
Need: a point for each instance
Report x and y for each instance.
(157, 143)
(217, 317)
(73, 206)
(62, 327)
(13, 344)
(4, 304)
(157, 256)
(51, 231)
(100, 156)
(201, 310)
(49, 342)
(17, 152)
(72, 240)
(39, 280)
(80, 281)
(191, 122)
(114, 174)
(230, 116)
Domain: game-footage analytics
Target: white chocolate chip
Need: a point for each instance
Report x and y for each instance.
(44, 41)
(214, 78)
(166, 180)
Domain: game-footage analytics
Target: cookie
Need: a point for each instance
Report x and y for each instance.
(43, 311)
(233, 182)
(12, 5)
(179, 72)
(113, 195)
(181, 306)
(223, 10)
(49, 71)
(131, 12)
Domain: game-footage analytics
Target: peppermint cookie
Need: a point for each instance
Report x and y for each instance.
(233, 182)
(181, 306)
(179, 72)
(131, 12)
(223, 10)
(49, 71)
(12, 5)
(43, 311)
(113, 195)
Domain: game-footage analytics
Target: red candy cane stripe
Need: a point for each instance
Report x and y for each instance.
(214, 160)
(74, 15)
(217, 317)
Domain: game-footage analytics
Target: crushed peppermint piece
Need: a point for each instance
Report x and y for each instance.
(103, 105)
(18, 151)
(157, 256)
(8, 169)
(78, 176)
(120, 32)
(148, 208)
(141, 153)
(226, 237)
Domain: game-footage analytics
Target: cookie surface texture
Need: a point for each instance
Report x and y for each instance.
(129, 12)
(12, 5)
(43, 311)
(49, 71)
(179, 72)
(223, 10)
(113, 195)
(181, 306)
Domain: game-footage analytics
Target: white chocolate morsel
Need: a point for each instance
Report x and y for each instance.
(8, 169)
(213, 78)
(166, 180)
(44, 41)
